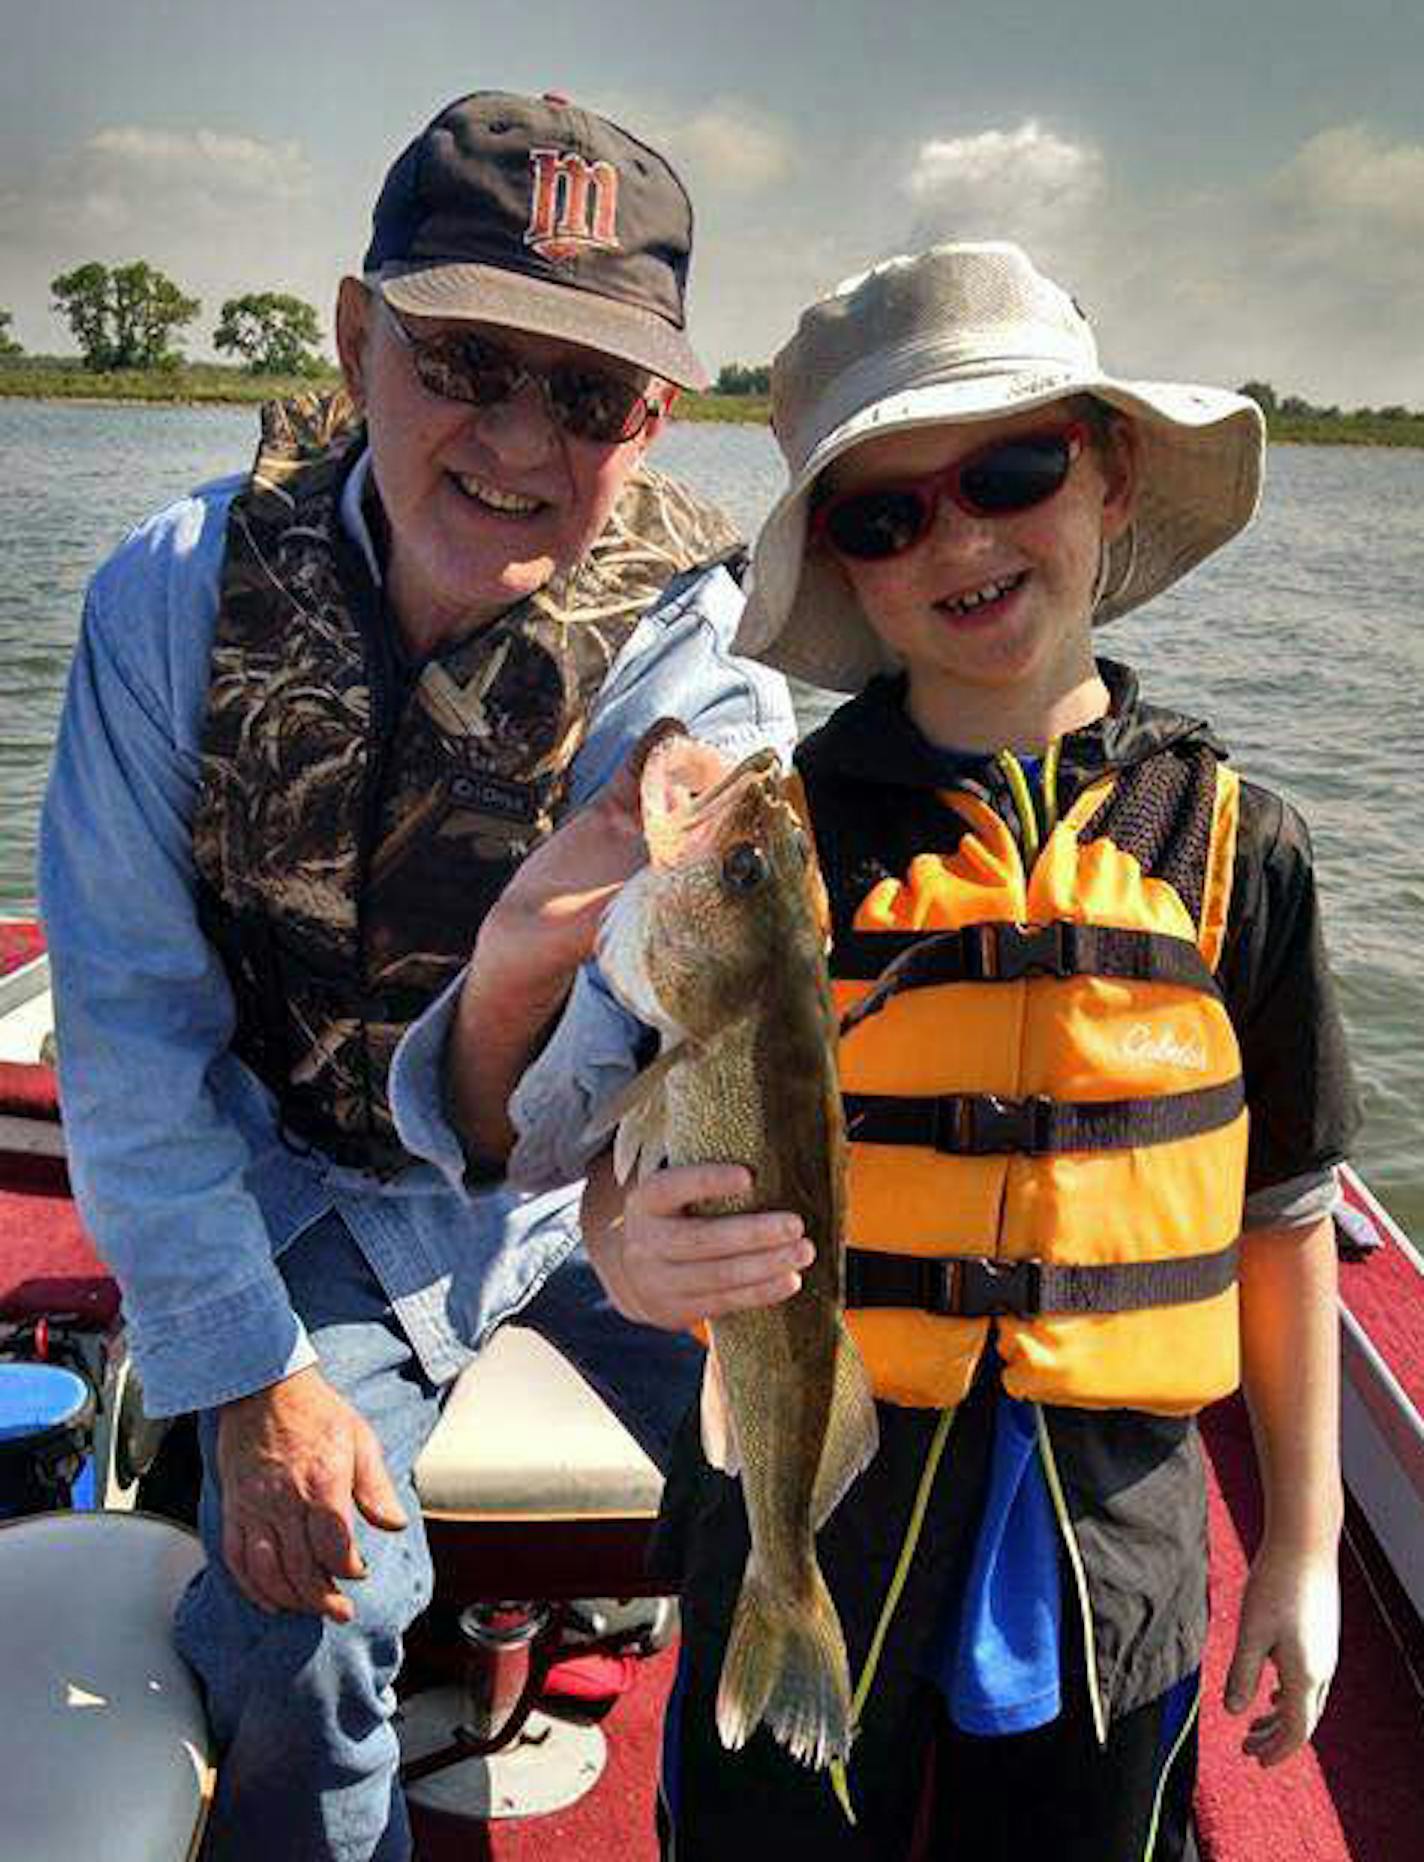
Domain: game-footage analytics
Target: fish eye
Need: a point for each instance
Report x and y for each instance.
(744, 867)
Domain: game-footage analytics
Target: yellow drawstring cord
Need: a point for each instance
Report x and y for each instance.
(1023, 802)
(840, 1784)
(1028, 817)
(1050, 784)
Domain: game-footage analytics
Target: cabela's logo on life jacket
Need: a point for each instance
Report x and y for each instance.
(574, 205)
(1161, 1047)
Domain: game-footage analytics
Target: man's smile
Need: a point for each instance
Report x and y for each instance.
(493, 498)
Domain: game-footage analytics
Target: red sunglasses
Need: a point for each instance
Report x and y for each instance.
(997, 480)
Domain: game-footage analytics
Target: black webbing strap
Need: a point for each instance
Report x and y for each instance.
(986, 1125)
(1006, 953)
(982, 1287)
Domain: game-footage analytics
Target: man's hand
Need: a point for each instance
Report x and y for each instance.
(530, 945)
(663, 1265)
(1290, 1616)
(294, 1461)
(544, 923)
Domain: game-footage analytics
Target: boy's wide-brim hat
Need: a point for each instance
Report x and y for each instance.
(529, 213)
(967, 333)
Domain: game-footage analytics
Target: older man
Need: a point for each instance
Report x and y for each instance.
(318, 722)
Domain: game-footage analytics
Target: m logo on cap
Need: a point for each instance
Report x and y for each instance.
(574, 205)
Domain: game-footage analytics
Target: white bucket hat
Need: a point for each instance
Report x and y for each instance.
(960, 333)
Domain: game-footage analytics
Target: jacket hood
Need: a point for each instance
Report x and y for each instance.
(873, 739)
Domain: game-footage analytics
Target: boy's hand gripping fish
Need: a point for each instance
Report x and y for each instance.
(719, 943)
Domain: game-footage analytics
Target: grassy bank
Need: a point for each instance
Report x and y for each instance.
(1347, 430)
(56, 378)
(53, 378)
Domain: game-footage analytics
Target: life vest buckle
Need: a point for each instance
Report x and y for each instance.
(1011, 952)
(987, 1125)
(987, 1288)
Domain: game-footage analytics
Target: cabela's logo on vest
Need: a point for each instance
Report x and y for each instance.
(1161, 1047)
(574, 205)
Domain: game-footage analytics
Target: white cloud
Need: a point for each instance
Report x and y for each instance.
(727, 150)
(733, 147)
(201, 159)
(1026, 183)
(1351, 171)
(1310, 276)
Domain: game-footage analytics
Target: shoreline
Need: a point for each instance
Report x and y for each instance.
(217, 387)
(208, 388)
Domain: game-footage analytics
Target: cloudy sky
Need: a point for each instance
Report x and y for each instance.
(1232, 188)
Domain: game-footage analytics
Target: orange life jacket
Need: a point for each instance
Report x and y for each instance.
(1047, 1126)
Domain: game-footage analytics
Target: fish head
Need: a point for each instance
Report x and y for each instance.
(730, 894)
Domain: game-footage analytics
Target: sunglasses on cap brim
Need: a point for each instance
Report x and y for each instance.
(588, 403)
(998, 479)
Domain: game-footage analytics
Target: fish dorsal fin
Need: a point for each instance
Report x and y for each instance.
(852, 1432)
(719, 1441)
(637, 1114)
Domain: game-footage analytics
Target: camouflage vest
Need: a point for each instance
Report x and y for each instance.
(355, 821)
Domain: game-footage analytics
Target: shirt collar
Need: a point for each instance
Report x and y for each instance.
(353, 513)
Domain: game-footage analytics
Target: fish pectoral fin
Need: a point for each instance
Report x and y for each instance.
(853, 1433)
(719, 1443)
(636, 1118)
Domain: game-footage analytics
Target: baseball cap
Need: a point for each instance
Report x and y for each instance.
(534, 214)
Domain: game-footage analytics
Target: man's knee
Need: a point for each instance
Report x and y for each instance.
(291, 1667)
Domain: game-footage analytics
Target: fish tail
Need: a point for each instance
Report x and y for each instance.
(786, 1664)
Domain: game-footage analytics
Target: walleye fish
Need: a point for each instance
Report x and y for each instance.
(719, 944)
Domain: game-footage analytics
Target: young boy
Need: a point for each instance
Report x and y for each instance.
(1093, 1107)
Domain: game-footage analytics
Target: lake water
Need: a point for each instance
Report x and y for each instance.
(1303, 644)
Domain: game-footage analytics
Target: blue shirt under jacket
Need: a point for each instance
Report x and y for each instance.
(177, 1163)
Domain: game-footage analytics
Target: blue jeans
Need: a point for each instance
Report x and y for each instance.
(301, 1707)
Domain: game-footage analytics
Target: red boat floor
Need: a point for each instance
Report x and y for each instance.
(613, 1823)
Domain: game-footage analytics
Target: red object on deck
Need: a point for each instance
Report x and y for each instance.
(21, 941)
(48, 1264)
(28, 1090)
(47, 1261)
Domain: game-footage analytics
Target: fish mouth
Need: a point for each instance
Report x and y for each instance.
(687, 790)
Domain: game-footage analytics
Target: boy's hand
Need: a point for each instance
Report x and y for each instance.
(665, 1266)
(1290, 1615)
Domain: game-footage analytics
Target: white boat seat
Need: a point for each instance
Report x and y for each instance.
(524, 1439)
(106, 1748)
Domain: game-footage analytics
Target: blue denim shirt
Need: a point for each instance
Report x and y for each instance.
(178, 1166)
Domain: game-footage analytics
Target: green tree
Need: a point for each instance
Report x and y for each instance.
(736, 378)
(123, 318)
(8, 345)
(272, 330)
(1262, 393)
